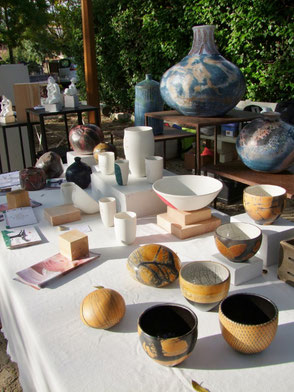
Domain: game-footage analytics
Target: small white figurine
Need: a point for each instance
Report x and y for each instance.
(53, 92)
(6, 114)
(71, 90)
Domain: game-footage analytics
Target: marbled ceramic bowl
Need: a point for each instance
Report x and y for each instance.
(187, 192)
(204, 283)
(264, 203)
(168, 333)
(248, 322)
(238, 241)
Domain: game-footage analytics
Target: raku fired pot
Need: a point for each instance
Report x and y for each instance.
(248, 322)
(238, 241)
(203, 83)
(154, 265)
(204, 283)
(32, 178)
(83, 138)
(264, 203)
(168, 333)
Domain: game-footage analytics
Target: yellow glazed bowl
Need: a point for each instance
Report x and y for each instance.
(264, 203)
(248, 322)
(204, 283)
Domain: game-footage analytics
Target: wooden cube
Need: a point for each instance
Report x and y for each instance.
(74, 245)
(60, 215)
(286, 261)
(188, 217)
(18, 198)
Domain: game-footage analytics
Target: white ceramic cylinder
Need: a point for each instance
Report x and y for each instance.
(66, 190)
(121, 170)
(106, 162)
(125, 226)
(138, 144)
(154, 168)
(107, 207)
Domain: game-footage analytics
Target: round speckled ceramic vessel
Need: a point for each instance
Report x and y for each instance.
(203, 83)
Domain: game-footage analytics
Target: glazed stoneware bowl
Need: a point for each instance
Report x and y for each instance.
(204, 283)
(264, 203)
(154, 265)
(248, 322)
(168, 333)
(238, 241)
(187, 192)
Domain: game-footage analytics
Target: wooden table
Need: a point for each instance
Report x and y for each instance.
(237, 171)
(174, 117)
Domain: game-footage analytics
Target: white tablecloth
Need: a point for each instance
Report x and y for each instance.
(56, 352)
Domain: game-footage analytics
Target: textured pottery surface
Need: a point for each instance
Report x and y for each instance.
(238, 241)
(103, 308)
(168, 333)
(148, 99)
(83, 138)
(83, 201)
(138, 144)
(204, 283)
(79, 173)
(32, 178)
(203, 83)
(154, 265)
(51, 163)
(264, 203)
(248, 322)
(267, 144)
(187, 192)
(103, 147)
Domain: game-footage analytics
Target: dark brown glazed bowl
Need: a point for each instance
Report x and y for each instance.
(168, 333)
(32, 178)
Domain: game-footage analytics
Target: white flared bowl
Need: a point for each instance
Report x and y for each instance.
(187, 192)
(83, 201)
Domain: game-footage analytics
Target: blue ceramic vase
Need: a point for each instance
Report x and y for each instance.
(267, 144)
(148, 99)
(204, 83)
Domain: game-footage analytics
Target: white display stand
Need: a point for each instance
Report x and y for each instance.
(52, 107)
(242, 272)
(88, 158)
(7, 120)
(71, 101)
(281, 229)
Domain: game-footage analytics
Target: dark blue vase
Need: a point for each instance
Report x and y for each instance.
(267, 144)
(204, 83)
(148, 99)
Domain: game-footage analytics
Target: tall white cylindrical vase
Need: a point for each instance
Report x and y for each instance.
(138, 144)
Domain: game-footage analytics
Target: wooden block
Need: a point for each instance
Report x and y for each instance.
(18, 198)
(187, 231)
(26, 95)
(286, 261)
(74, 244)
(184, 218)
(62, 214)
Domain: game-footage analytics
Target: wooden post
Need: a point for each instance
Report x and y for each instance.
(90, 59)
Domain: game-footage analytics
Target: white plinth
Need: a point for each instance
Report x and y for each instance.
(88, 159)
(71, 101)
(52, 107)
(7, 119)
(137, 196)
(281, 229)
(242, 272)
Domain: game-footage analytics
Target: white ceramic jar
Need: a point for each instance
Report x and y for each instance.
(138, 144)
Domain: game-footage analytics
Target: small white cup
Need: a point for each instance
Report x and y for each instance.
(67, 190)
(154, 168)
(107, 207)
(121, 170)
(106, 162)
(125, 224)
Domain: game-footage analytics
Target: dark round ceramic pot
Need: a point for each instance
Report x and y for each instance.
(32, 178)
(154, 265)
(79, 173)
(203, 83)
(51, 163)
(83, 138)
(168, 333)
(266, 144)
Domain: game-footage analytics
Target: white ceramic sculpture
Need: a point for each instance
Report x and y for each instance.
(71, 98)
(6, 114)
(71, 90)
(53, 92)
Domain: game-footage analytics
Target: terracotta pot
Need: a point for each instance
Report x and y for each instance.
(32, 178)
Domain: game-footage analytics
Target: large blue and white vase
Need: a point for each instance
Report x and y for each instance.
(204, 83)
(266, 144)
